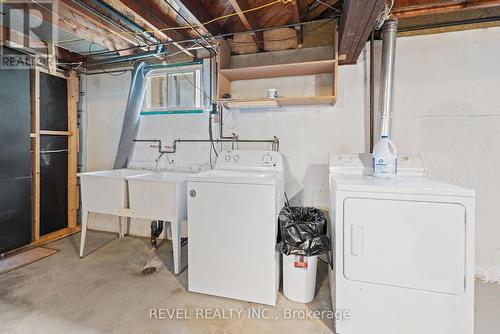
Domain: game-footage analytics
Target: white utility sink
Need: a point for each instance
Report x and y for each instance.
(106, 191)
(161, 196)
(158, 196)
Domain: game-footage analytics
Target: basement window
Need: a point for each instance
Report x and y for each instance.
(173, 90)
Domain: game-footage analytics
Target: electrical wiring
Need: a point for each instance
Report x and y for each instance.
(210, 130)
(186, 26)
(327, 5)
(384, 14)
(168, 58)
(51, 12)
(279, 39)
(135, 47)
(158, 18)
(191, 26)
(109, 73)
(101, 53)
(79, 64)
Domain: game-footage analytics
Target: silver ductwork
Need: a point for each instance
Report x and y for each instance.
(389, 30)
(160, 49)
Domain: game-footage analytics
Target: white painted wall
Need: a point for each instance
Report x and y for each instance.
(106, 101)
(306, 134)
(446, 108)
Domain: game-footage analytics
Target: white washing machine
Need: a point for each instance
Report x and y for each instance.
(404, 250)
(232, 216)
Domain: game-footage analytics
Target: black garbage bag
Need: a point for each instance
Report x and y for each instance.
(302, 231)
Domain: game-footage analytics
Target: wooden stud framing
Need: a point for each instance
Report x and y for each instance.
(51, 58)
(55, 133)
(35, 144)
(296, 19)
(72, 134)
(335, 74)
(73, 97)
(56, 235)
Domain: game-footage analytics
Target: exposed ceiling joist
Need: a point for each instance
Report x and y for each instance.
(202, 14)
(250, 20)
(295, 13)
(73, 8)
(157, 16)
(356, 23)
(78, 25)
(154, 17)
(75, 24)
(15, 39)
(403, 9)
(316, 8)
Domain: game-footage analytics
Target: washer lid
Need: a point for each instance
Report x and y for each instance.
(400, 184)
(235, 176)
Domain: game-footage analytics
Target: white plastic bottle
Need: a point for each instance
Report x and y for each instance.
(385, 158)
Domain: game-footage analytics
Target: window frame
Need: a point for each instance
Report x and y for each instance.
(169, 71)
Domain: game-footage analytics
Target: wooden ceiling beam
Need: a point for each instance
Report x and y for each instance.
(295, 11)
(15, 39)
(315, 9)
(249, 20)
(356, 23)
(81, 10)
(154, 17)
(79, 26)
(404, 10)
(296, 19)
(202, 14)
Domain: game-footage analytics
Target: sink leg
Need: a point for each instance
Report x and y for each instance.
(121, 231)
(176, 245)
(85, 215)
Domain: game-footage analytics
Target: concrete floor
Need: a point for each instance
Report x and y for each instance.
(105, 293)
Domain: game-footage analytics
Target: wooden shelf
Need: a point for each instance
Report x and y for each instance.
(280, 101)
(235, 71)
(306, 100)
(280, 70)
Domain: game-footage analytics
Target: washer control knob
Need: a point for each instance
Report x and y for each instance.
(267, 158)
(236, 158)
(192, 193)
(227, 157)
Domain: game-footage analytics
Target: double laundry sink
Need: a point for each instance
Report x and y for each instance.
(130, 193)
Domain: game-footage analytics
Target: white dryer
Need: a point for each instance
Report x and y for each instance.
(232, 214)
(403, 260)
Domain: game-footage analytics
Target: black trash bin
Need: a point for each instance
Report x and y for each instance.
(301, 238)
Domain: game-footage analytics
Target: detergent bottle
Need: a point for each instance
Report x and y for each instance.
(385, 158)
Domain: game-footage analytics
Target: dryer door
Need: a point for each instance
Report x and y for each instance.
(406, 244)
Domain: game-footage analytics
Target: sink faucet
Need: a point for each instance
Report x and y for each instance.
(158, 161)
(158, 146)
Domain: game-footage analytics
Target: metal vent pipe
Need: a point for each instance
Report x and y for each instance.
(389, 30)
